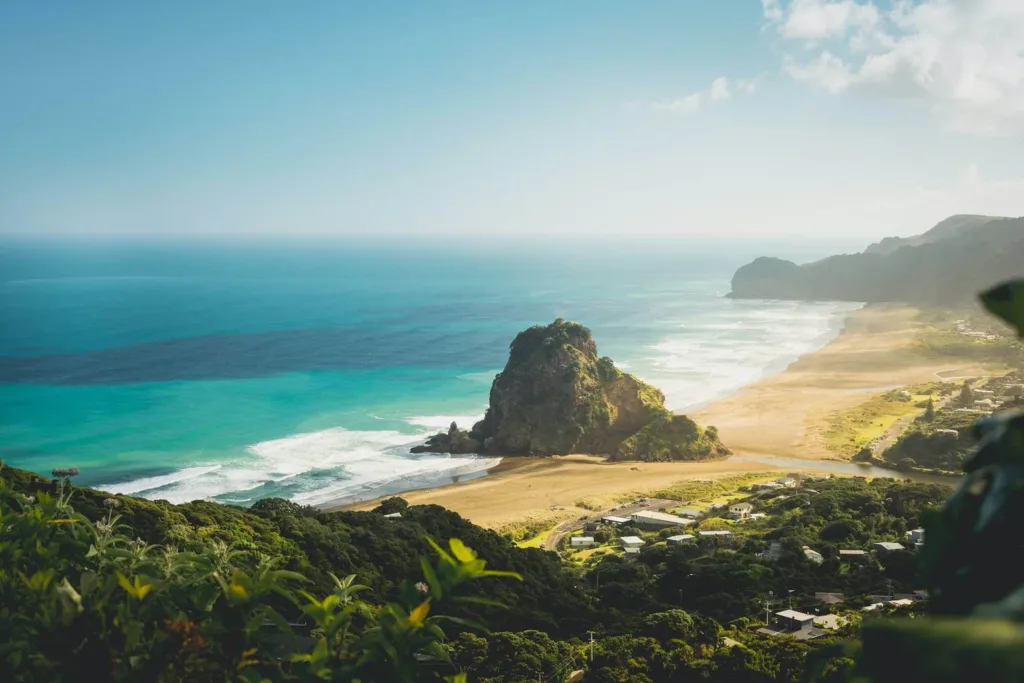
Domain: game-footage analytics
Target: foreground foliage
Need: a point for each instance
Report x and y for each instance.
(84, 601)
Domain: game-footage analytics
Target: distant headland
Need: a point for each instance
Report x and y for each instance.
(945, 266)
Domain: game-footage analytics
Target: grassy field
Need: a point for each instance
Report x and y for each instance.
(700, 493)
(849, 431)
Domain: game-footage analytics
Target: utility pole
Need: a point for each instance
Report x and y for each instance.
(591, 645)
(768, 608)
(680, 598)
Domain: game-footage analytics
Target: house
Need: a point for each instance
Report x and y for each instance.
(631, 541)
(689, 512)
(648, 519)
(767, 486)
(787, 482)
(915, 536)
(795, 624)
(718, 538)
(887, 547)
(591, 527)
(740, 510)
(791, 620)
(774, 551)
(813, 555)
(615, 521)
(848, 554)
(581, 541)
(631, 550)
(676, 540)
(393, 515)
(830, 598)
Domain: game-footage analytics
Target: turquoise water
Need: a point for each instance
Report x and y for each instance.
(235, 373)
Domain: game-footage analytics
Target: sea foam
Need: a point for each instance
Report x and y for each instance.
(332, 465)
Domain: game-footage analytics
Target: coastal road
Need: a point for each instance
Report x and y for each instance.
(561, 530)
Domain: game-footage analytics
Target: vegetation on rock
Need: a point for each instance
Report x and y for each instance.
(672, 437)
(557, 396)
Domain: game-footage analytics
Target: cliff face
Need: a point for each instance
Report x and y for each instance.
(945, 266)
(557, 396)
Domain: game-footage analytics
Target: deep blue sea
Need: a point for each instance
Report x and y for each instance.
(237, 372)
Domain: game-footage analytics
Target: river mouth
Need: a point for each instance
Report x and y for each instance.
(849, 469)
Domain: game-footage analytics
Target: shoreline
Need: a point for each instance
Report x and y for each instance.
(779, 417)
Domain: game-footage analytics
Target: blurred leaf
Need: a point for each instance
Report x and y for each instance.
(418, 615)
(1007, 302)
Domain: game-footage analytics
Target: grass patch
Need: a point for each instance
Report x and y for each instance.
(848, 432)
(711, 491)
(536, 540)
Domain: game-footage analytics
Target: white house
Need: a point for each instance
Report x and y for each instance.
(393, 515)
(740, 510)
(813, 555)
(888, 547)
(581, 541)
(679, 538)
(648, 519)
(628, 541)
(915, 536)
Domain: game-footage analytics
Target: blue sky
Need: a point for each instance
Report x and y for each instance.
(469, 119)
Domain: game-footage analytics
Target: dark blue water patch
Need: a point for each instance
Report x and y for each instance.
(264, 354)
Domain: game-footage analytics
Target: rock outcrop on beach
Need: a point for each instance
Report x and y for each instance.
(944, 266)
(557, 396)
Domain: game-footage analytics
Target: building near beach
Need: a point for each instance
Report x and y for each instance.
(648, 519)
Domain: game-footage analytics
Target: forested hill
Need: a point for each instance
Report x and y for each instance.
(945, 266)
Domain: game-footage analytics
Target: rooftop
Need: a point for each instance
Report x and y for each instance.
(853, 552)
(662, 517)
(715, 533)
(887, 545)
(793, 614)
(632, 540)
(616, 520)
(680, 537)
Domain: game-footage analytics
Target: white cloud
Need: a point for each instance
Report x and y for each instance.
(824, 19)
(965, 57)
(720, 89)
(683, 105)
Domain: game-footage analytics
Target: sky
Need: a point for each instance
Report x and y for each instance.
(460, 119)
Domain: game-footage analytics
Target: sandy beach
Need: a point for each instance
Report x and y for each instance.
(780, 416)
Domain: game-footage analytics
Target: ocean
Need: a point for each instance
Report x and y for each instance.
(238, 372)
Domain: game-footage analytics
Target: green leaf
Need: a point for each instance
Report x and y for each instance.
(1007, 302)
(461, 552)
(441, 551)
(431, 577)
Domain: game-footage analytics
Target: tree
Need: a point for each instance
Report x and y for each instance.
(966, 397)
(929, 412)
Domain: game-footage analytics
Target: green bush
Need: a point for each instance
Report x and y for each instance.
(88, 601)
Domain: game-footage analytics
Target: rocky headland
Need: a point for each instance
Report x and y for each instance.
(557, 396)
